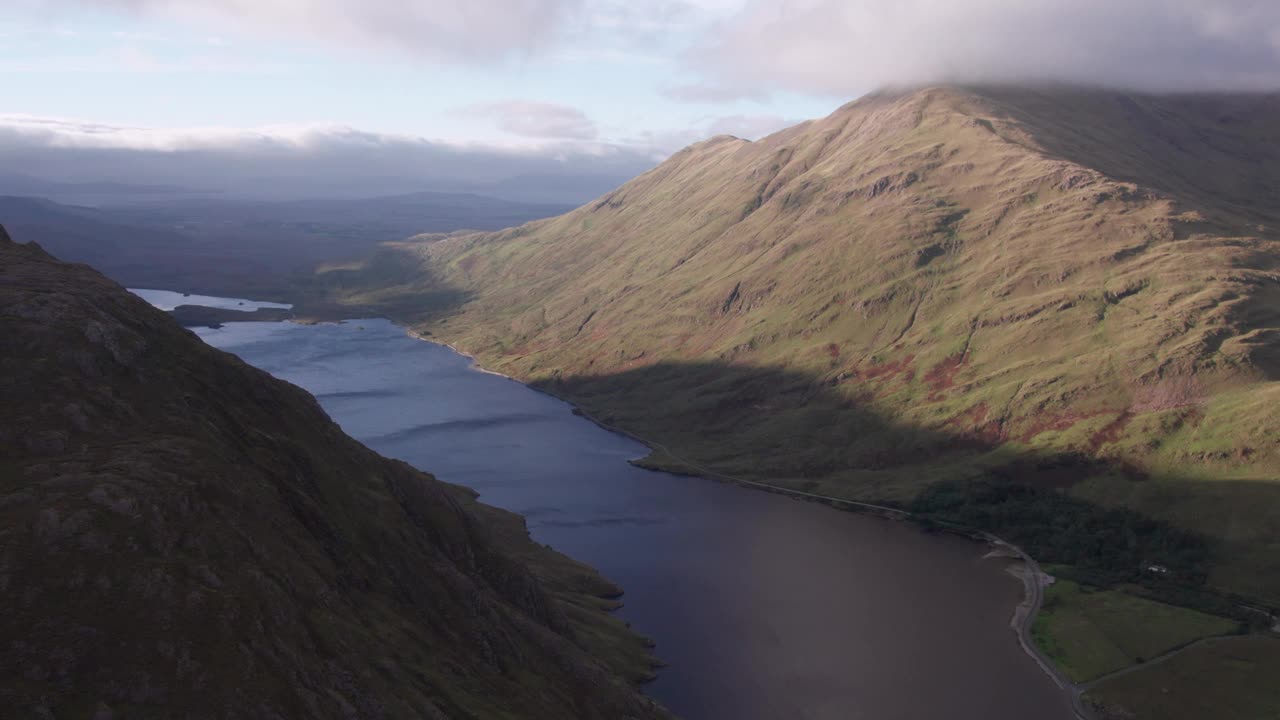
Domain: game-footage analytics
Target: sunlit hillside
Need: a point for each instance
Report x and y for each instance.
(1073, 290)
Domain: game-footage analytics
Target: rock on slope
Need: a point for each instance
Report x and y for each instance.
(182, 535)
(1077, 289)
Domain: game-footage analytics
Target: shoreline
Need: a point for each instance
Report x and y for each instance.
(1029, 572)
(1024, 613)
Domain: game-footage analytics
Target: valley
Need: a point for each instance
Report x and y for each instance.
(1045, 313)
(1011, 314)
(744, 593)
(595, 360)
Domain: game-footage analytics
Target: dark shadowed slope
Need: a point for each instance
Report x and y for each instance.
(182, 535)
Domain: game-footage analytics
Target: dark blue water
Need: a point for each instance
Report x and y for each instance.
(763, 607)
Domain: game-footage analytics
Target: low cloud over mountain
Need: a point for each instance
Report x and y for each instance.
(297, 161)
(682, 69)
(742, 48)
(847, 47)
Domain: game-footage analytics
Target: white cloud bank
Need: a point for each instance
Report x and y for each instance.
(311, 160)
(527, 118)
(445, 30)
(848, 47)
(734, 50)
(747, 48)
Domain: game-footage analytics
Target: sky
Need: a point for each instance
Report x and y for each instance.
(559, 94)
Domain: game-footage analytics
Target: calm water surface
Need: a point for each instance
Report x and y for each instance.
(764, 607)
(168, 300)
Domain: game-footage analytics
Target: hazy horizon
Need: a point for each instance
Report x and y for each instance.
(546, 101)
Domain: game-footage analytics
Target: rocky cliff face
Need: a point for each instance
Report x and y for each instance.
(1071, 288)
(182, 535)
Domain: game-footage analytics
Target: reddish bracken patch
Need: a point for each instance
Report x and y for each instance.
(1046, 422)
(1111, 432)
(943, 376)
(975, 428)
(970, 418)
(833, 350)
(887, 371)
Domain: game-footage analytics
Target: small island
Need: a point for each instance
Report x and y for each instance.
(212, 317)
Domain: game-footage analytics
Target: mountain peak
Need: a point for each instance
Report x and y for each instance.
(943, 274)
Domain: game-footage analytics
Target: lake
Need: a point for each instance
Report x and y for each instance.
(168, 300)
(763, 607)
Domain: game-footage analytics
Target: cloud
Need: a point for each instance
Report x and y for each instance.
(847, 47)
(311, 160)
(733, 50)
(472, 31)
(536, 119)
(446, 30)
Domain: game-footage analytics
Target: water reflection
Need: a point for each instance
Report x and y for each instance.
(763, 607)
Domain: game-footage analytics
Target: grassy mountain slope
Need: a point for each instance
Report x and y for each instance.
(184, 535)
(1073, 289)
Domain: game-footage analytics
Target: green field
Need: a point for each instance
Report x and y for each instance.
(1090, 633)
(1234, 679)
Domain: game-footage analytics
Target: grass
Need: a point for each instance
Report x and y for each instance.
(1235, 678)
(1090, 633)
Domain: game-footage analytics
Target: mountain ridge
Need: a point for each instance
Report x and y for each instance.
(184, 533)
(1000, 273)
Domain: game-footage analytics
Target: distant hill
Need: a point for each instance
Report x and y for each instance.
(545, 188)
(237, 247)
(929, 298)
(91, 192)
(131, 253)
(183, 535)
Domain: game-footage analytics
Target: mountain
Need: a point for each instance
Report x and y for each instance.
(238, 247)
(92, 192)
(993, 305)
(381, 218)
(182, 535)
(552, 188)
(132, 254)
